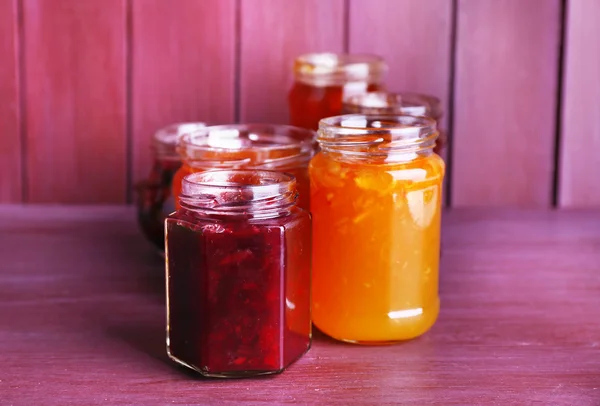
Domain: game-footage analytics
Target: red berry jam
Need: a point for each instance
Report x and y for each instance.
(238, 274)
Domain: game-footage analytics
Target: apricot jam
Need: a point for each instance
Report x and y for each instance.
(376, 207)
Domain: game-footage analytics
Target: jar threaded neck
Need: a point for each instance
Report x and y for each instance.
(366, 136)
(164, 142)
(239, 192)
(257, 146)
(382, 102)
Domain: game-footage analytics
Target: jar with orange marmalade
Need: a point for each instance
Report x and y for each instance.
(323, 80)
(376, 205)
(412, 104)
(280, 148)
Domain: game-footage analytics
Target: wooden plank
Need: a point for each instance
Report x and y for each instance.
(580, 136)
(518, 323)
(183, 67)
(273, 34)
(10, 130)
(505, 102)
(414, 37)
(75, 100)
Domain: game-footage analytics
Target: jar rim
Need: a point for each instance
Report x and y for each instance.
(211, 144)
(170, 133)
(328, 68)
(400, 103)
(369, 135)
(235, 191)
(239, 178)
(165, 139)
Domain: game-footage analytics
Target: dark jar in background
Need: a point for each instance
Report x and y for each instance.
(238, 274)
(154, 200)
(281, 148)
(323, 80)
(397, 104)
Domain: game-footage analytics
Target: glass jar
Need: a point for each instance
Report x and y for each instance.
(376, 207)
(323, 80)
(238, 274)
(154, 200)
(248, 146)
(412, 104)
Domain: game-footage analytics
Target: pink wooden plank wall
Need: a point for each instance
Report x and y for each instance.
(414, 36)
(505, 102)
(580, 137)
(10, 132)
(401, 32)
(84, 84)
(182, 68)
(273, 32)
(74, 73)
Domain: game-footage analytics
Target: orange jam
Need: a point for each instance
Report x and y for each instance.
(248, 146)
(376, 206)
(412, 104)
(323, 80)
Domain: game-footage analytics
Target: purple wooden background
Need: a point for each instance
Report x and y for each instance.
(83, 84)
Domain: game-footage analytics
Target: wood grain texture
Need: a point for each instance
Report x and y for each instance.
(75, 100)
(183, 60)
(414, 37)
(580, 136)
(10, 129)
(82, 320)
(273, 34)
(505, 102)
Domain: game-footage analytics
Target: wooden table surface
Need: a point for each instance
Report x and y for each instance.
(82, 320)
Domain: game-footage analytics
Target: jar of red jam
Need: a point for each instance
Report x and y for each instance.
(281, 148)
(154, 199)
(323, 80)
(238, 256)
(412, 104)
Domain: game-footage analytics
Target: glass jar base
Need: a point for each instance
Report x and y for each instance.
(359, 334)
(375, 342)
(230, 375)
(372, 343)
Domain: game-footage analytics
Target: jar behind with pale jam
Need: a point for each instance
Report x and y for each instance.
(323, 80)
(238, 256)
(376, 188)
(248, 146)
(154, 199)
(412, 104)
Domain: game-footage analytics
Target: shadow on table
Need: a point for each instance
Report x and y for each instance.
(148, 338)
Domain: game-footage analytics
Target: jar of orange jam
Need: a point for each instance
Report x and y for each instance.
(280, 148)
(412, 104)
(376, 205)
(323, 80)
